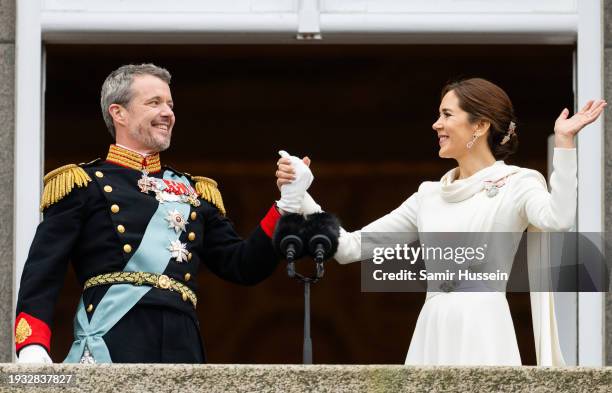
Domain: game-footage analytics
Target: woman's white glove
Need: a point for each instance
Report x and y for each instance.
(292, 194)
(34, 354)
(309, 206)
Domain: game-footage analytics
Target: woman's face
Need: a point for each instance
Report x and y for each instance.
(453, 128)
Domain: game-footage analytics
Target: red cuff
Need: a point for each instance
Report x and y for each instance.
(30, 330)
(268, 223)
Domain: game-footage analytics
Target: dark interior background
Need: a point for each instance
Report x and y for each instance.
(363, 113)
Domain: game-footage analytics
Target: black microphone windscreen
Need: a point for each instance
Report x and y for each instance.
(323, 223)
(288, 224)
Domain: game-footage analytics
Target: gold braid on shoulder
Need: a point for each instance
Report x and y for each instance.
(207, 190)
(59, 183)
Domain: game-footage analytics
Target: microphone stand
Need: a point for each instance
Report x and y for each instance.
(323, 230)
(307, 347)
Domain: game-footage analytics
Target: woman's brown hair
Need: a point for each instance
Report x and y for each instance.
(483, 100)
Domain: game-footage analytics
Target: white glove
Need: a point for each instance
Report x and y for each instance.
(34, 354)
(292, 194)
(309, 206)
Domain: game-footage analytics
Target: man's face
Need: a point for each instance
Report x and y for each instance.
(149, 114)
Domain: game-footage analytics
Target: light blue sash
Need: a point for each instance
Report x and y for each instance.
(152, 256)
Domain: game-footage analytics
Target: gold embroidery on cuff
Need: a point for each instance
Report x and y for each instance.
(23, 331)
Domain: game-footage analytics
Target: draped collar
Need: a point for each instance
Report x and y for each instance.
(457, 190)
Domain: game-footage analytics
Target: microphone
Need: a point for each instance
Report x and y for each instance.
(288, 241)
(323, 230)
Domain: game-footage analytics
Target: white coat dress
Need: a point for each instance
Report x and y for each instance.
(475, 328)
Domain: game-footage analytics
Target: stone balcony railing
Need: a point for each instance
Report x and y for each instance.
(318, 378)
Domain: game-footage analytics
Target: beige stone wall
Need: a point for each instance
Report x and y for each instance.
(7, 131)
(330, 378)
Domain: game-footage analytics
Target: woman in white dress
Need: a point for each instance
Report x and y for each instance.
(476, 127)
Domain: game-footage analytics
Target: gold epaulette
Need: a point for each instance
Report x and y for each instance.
(207, 189)
(59, 183)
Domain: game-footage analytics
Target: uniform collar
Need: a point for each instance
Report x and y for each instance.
(130, 159)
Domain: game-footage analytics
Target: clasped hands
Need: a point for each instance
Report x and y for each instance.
(293, 177)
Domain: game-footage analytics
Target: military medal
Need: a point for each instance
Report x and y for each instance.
(168, 190)
(176, 221)
(145, 182)
(87, 358)
(179, 251)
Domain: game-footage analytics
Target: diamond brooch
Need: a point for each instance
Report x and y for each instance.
(492, 186)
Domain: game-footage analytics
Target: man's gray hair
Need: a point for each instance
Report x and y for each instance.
(116, 89)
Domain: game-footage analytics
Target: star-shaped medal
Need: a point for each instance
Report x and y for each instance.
(178, 250)
(176, 221)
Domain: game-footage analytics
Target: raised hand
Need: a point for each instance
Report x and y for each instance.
(296, 178)
(285, 173)
(567, 128)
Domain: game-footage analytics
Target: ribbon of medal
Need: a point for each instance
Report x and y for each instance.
(168, 190)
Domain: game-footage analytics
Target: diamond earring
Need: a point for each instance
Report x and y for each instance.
(471, 143)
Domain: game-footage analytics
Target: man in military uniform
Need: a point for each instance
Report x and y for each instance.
(136, 233)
